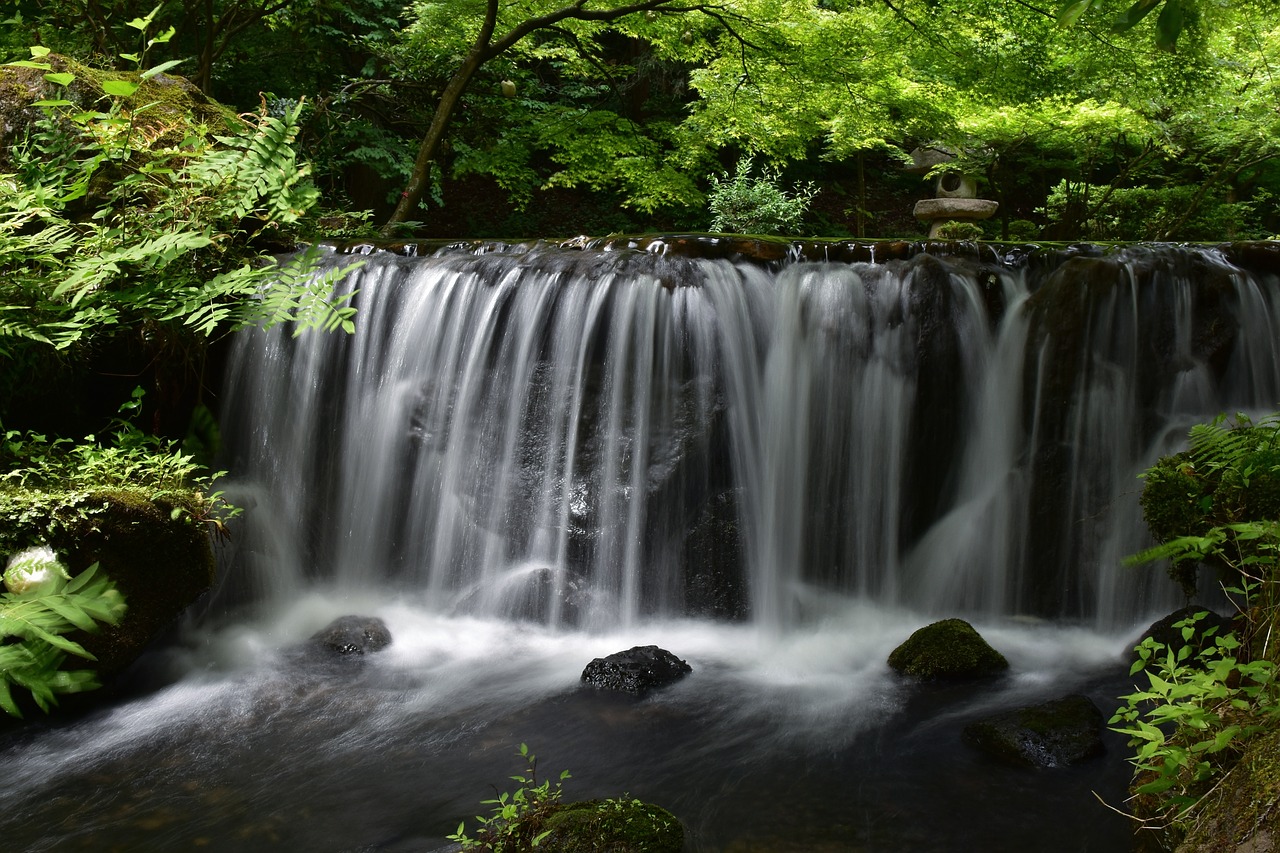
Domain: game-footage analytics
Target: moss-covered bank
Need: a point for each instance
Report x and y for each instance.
(155, 546)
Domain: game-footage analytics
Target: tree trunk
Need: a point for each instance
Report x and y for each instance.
(484, 49)
(421, 174)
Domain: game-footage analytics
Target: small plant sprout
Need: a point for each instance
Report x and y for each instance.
(515, 821)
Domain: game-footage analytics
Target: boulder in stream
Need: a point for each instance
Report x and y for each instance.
(1054, 734)
(949, 649)
(353, 635)
(637, 670)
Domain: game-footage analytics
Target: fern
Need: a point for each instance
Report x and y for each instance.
(1217, 502)
(35, 646)
(260, 173)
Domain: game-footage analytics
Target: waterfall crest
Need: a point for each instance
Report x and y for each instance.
(597, 437)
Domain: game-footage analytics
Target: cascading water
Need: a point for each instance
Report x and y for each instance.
(527, 457)
(565, 436)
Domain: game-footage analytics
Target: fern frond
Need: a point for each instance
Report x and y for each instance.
(37, 622)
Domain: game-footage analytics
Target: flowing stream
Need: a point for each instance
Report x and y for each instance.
(528, 456)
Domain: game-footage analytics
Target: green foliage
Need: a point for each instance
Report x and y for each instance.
(1176, 212)
(1217, 502)
(745, 204)
(1173, 17)
(515, 822)
(101, 236)
(129, 457)
(959, 230)
(50, 486)
(1197, 711)
(34, 626)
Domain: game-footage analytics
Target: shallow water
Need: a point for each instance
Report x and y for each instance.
(804, 741)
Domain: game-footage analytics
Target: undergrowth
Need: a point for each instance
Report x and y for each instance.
(1207, 698)
(515, 823)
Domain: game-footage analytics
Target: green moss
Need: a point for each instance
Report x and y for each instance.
(154, 545)
(612, 826)
(947, 649)
(1245, 806)
(163, 111)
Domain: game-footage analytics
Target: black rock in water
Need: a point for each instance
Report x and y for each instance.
(1055, 734)
(637, 670)
(353, 635)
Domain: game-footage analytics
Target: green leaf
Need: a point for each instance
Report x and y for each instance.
(1070, 12)
(61, 78)
(6, 700)
(119, 88)
(161, 68)
(1134, 14)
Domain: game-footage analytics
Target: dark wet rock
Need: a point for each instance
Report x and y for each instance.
(713, 557)
(353, 635)
(950, 649)
(1054, 734)
(1093, 315)
(1164, 632)
(637, 670)
(159, 558)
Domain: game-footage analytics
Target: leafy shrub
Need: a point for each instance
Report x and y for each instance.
(33, 625)
(1100, 212)
(515, 822)
(52, 490)
(533, 814)
(749, 205)
(1204, 505)
(100, 235)
(1195, 714)
(959, 230)
(1217, 503)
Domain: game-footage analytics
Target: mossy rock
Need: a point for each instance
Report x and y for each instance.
(949, 649)
(154, 547)
(612, 826)
(1053, 734)
(174, 107)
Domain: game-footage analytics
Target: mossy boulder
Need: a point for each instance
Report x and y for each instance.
(949, 649)
(1053, 734)
(174, 105)
(155, 547)
(612, 826)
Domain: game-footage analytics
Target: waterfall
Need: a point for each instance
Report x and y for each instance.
(598, 437)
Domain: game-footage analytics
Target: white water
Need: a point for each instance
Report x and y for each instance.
(538, 436)
(510, 462)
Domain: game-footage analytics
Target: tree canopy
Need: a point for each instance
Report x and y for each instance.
(1103, 119)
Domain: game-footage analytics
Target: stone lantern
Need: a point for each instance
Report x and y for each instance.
(954, 193)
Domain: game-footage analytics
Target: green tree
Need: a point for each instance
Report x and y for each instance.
(491, 29)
